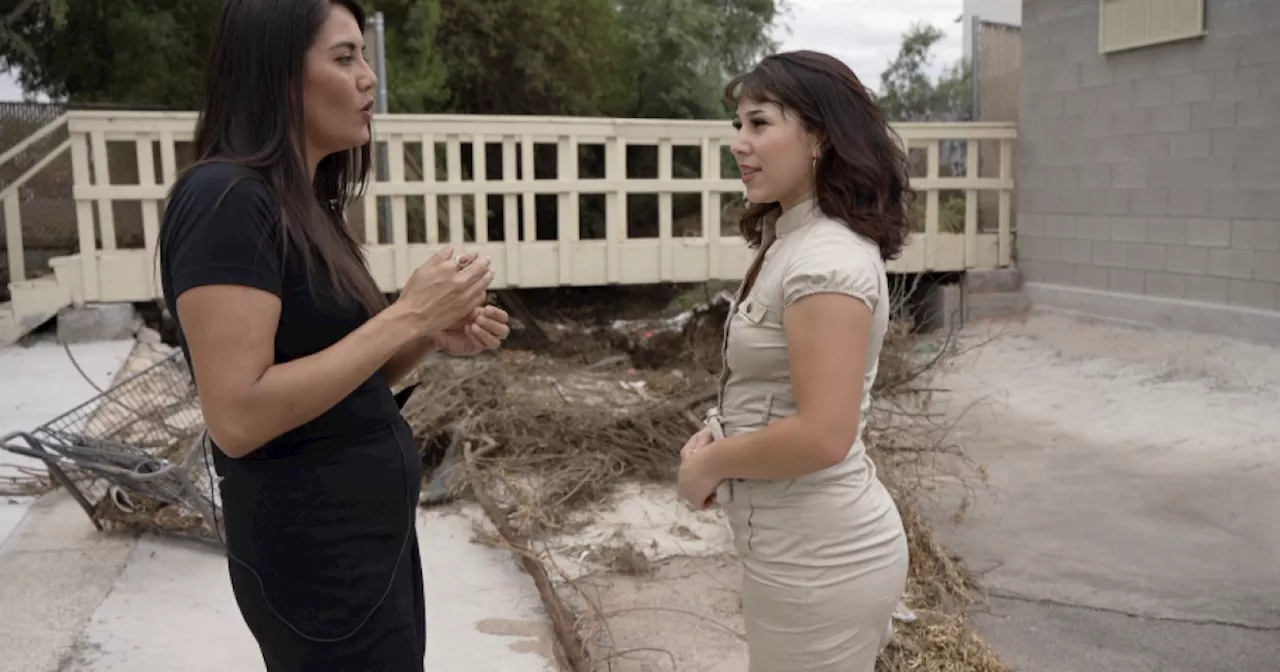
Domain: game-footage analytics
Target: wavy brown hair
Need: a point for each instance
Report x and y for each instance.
(862, 176)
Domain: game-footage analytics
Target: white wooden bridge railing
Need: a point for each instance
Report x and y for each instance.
(554, 201)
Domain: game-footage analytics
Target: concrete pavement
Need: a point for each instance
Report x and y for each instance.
(77, 600)
(54, 575)
(1133, 522)
(39, 383)
(1132, 526)
(73, 599)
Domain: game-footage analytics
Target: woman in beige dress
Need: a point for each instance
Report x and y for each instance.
(823, 547)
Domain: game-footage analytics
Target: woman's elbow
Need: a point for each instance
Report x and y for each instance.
(831, 453)
(230, 443)
(834, 444)
(231, 433)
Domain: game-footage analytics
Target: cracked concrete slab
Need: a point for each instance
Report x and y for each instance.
(40, 382)
(55, 570)
(1131, 518)
(172, 609)
(1028, 635)
(54, 567)
(76, 599)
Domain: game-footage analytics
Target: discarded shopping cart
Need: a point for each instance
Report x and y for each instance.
(135, 455)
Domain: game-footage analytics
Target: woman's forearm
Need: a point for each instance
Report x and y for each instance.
(788, 448)
(407, 359)
(291, 394)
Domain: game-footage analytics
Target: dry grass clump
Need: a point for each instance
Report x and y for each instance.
(941, 639)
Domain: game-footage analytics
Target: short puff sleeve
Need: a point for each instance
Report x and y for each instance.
(221, 227)
(831, 261)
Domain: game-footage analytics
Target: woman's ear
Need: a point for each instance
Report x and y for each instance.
(816, 145)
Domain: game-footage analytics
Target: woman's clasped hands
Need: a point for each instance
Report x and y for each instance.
(696, 484)
(447, 297)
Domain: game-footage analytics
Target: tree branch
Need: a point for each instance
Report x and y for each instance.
(22, 8)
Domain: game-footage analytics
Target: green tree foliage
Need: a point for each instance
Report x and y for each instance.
(652, 58)
(522, 57)
(414, 61)
(907, 93)
(124, 52)
(741, 34)
(665, 55)
(679, 53)
(20, 14)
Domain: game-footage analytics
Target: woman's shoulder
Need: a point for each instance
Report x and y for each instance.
(219, 190)
(828, 234)
(830, 257)
(214, 180)
(217, 203)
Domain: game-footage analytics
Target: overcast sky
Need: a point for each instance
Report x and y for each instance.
(866, 34)
(863, 33)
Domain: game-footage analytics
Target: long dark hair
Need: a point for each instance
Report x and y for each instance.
(862, 175)
(252, 115)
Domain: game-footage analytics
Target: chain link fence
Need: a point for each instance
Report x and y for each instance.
(45, 204)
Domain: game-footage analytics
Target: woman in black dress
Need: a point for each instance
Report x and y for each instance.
(294, 349)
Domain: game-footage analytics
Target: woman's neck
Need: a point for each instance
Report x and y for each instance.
(789, 204)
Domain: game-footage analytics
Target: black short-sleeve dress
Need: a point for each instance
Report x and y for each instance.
(323, 556)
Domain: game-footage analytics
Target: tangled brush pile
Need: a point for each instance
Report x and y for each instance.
(552, 430)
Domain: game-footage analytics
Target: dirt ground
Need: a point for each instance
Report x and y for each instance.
(660, 574)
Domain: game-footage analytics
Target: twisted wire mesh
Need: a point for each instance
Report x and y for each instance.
(137, 452)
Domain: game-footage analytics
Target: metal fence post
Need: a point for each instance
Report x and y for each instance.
(975, 67)
(380, 63)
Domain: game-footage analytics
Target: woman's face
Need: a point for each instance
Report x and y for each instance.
(775, 154)
(338, 88)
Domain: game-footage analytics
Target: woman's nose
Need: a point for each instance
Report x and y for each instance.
(370, 79)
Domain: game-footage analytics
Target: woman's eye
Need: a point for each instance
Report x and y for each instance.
(346, 59)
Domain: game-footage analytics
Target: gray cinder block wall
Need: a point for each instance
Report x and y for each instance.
(1150, 179)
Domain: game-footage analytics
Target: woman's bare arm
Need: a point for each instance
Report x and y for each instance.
(827, 337)
(407, 359)
(247, 398)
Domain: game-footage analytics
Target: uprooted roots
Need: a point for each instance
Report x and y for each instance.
(553, 453)
(534, 437)
(550, 433)
(535, 434)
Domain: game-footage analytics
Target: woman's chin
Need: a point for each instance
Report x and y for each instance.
(358, 138)
(755, 194)
(354, 141)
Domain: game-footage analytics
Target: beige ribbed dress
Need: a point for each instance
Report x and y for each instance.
(824, 555)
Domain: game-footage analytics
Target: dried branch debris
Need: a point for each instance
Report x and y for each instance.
(566, 429)
(536, 434)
